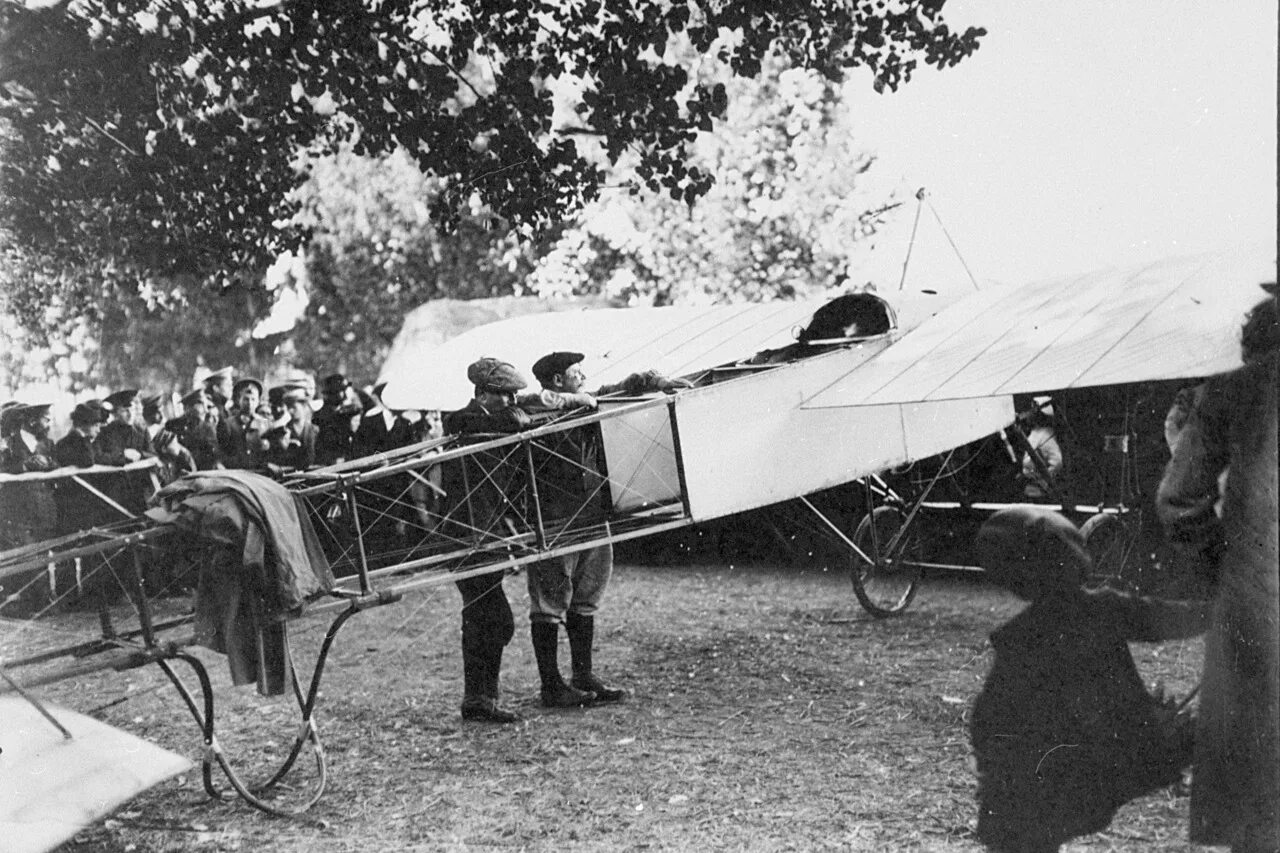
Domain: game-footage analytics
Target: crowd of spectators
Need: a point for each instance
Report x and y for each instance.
(228, 422)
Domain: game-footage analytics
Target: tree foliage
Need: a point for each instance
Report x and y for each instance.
(158, 139)
(375, 254)
(785, 213)
(150, 338)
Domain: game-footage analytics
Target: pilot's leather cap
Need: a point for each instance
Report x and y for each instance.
(553, 364)
(495, 375)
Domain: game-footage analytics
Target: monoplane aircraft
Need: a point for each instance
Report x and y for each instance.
(765, 419)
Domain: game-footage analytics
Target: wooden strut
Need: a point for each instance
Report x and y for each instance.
(120, 650)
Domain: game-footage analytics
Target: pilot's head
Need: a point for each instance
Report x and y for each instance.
(496, 383)
(560, 371)
(854, 315)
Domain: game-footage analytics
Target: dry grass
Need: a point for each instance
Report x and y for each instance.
(768, 713)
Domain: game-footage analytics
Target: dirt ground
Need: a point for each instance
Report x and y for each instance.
(768, 712)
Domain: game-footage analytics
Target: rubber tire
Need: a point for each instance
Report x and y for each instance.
(1106, 538)
(884, 590)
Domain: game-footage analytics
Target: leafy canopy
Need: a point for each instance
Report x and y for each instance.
(786, 214)
(160, 138)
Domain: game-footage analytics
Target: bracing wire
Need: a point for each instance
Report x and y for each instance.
(915, 226)
(954, 247)
(922, 198)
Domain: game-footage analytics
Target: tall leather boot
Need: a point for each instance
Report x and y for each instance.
(555, 693)
(480, 687)
(582, 634)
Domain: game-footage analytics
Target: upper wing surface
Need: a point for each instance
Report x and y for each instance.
(616, 342)
(1178, 318)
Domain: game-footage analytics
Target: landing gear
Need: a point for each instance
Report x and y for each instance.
(1114, 543)
(885, 562)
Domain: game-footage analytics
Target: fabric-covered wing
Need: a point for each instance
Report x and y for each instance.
(52, 787)
(675, 341)
(1178, 318)
(616, 342)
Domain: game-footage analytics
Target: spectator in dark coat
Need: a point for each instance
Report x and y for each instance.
(153, 416)
(79, 508)
(8, 426)
(27, 510)
(30, 448)
(219, 388)
(1232, 430)
(487, 623)
(292, 447)
(1064, 731)
(75, 449)
(195, 433)
(242, 435)
(337, 420)
(123, 439)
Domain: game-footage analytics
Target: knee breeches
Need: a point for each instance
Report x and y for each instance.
(573, 583)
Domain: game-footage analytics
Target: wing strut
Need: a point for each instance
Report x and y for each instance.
(35, 703)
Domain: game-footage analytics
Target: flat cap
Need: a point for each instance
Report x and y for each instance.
(495, 375)
(152, 402)
(223, 375)
(555, 363)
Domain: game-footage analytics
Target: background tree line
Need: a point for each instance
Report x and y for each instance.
(410, 154)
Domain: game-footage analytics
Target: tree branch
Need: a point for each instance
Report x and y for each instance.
(108, 135)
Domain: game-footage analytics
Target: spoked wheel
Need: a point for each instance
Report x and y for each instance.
(886, 585)
(1110, 543)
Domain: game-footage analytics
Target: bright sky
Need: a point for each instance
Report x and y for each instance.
(1082, 135)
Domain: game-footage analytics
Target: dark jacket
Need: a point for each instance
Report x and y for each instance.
(22, 459)
(242, 441)
(335, 437)
(375, 436)
(200, 438)
(1063, 731)
(79, 508)
(76, 450)
(1235, 791)
(261, 562)
(572, 487)
(117, 437)
(488, 486)
(289, 451)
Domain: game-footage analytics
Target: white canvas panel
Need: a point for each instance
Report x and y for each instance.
(749, 443)
(51, 787)
(640, 456)
(933, 428)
